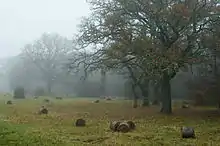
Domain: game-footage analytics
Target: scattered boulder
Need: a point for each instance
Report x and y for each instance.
(43, 110)
(123, 127)
(131, 125)
(60, 98)
(96, 101)
(80, 123)
(187, 132)
(9, 102)
(114, 125)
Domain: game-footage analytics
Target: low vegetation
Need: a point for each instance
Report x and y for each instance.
(21, 125)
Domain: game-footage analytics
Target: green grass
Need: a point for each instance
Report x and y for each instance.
(21, 126)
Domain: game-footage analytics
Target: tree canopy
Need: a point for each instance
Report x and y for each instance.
(147, 39)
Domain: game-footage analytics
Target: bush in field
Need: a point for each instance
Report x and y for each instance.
(39, 91)
(59, 98)
(9, 102)
(204, 91)
(19, 93)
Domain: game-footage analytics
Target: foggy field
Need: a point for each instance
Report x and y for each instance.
(20, 124)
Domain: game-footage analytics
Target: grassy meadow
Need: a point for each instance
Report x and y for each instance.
(21, 126)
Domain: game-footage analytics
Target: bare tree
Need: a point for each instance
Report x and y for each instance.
(48, 53)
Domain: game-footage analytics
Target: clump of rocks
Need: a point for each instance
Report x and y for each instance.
(122, 126)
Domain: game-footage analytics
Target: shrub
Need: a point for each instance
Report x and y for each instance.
(39, 91)
(19, 93)
(46, 100)
(59, 98)
(96, 101)
(9, 102)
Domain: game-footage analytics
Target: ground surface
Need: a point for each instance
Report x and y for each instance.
(21, 126)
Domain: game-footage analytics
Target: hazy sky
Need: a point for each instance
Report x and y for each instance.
(22, 21)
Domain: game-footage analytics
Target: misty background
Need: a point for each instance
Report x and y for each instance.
(24, 21)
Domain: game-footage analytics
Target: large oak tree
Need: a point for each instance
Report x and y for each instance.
(155, 37)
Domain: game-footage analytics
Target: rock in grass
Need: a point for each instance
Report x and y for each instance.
(187, 132)
(80, 123)
(123, 127)
(131, 125)
(9, 102)
(43, 110)
(114, 125)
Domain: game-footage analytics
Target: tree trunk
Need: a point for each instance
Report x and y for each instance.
(103, 83)
(135, 98)
(49, 87)
(145, 93)
(156, 94)
(166, 92)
